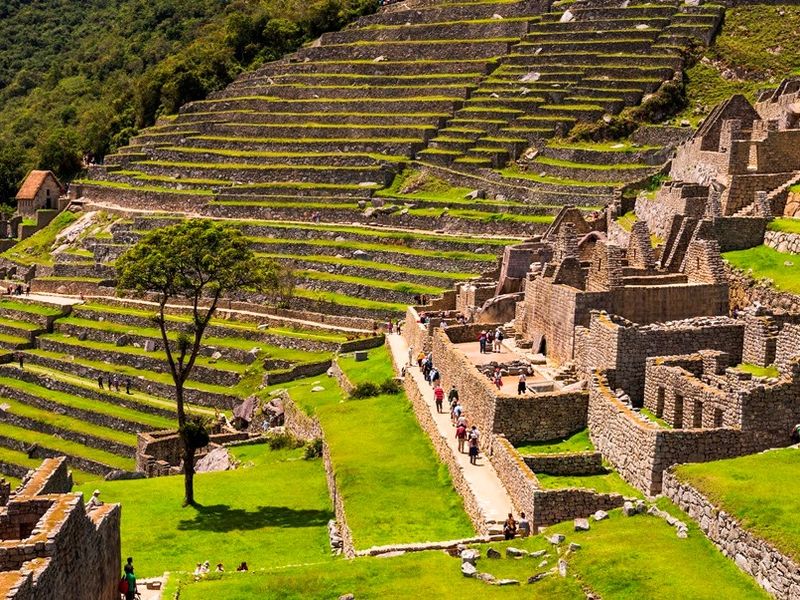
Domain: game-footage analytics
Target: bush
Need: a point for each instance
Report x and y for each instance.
(391, 386)
(366, 389)
(282, 440)
(313, 449)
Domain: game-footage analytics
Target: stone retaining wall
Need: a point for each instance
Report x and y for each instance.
(445, 454)
(341, 378)
(348, 548)
(296, 372)
(571, 463)
(297, 422)
(745, 290)
(782, 241)
(777, 573)
(540, 417)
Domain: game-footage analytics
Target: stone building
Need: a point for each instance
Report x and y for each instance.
(55, 547)
(40, 190)
(631, 282)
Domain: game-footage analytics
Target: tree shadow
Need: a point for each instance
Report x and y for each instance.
(223, 518)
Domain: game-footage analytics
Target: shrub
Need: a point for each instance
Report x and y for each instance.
(365, 389)
(313, 449)
(282, 440)
(391, 386)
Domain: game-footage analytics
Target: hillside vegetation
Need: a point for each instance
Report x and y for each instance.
(79, 77)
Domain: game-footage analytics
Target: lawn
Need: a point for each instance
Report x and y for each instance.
(786, 225)
(36, 249)
(758, 490)
(766, 263)
(576, 442)
(394, 488)
(272, 511)
(606, 483)
(621, 558)
(758, 370)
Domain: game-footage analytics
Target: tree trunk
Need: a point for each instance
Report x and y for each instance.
(188, 474)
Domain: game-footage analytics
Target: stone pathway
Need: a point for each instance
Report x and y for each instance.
(492, 496)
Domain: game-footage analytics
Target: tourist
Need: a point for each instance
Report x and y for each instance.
(796, 434)
(410, 355)
(398, 326)
(522, 385)
(206, 567)
(510, 527)
(461, 436)
(524, 526)
(435, 376)
(130, 579)
(242, 567)
(453, 394)
(389, 327)
(482, 342)
(127, 385)
(21, 359)
(498, 340)
(198, 571)
(497, 379)
(420, 358)
(438, 396)
(490, 340)
(219, 568)
(457, 410)
(94, 501)
(473, 439)
(100, 382)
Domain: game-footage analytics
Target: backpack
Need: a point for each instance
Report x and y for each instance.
(123, 585)
(500, 335)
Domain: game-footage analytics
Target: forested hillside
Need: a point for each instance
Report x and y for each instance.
(80, 76)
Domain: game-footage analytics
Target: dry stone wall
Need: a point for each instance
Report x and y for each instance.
(777, 573)
(568, 463)
(782, 241)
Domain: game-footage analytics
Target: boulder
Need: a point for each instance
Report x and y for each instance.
(538, 577)
(216, 460)
(150, 346)
(492, 553)
(468, 569)
(475, 195)
(573, 547)
(628, 509)
(508, 582)
(566, 17)
(216, 355)
(556, 538)
(470, 555)
(123, 340)
(562, 568)
(515, 552)
(362, 204)
(361, 255)
(360, 355)
(82, 336)
(600, 515)
(487, 577)
(581, 524)
(347, 597)
(317, 388)
(538, 553)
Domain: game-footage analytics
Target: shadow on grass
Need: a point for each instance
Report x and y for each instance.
(222, 518)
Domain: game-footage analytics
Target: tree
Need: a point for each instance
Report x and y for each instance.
(200, 261)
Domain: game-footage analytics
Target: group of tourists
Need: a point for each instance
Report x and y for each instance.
(512, 527)
(491, 340)
(112, 381)
(204, 568)
(17, 289)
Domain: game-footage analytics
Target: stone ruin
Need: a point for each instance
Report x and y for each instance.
(51, 541)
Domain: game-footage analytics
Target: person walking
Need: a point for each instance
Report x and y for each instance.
(461, 436)
(100, 382)
(21, 359)
(457, 410)
(490, 340)
(410, 355)
(522, 384)
(498, 339)
(482, 342)
(127, 385)
(453, 394)
(131, 580)
(438, 396)
(473, 440)
(497, 379)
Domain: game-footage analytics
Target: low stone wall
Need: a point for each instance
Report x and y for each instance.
(544, 507)
(341, 377)
(540, 417)
(296, 372)
(297, 422)
(774, 571)
(415, 333)
(348, 548)
(572, 463)
(783, 242)
(745, 290)
(426, 422)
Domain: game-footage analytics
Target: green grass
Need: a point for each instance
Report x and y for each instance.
(36, 309)
(514, 173)
(759, 490)
(627, 220)
(397, 286)
(394, 487)
(759, 371)
(557, 162)
(766, 263)
(605, 483)
(36, 249)
(77, 402)
(621, 558)
(651, 415)
(145, 188)
(67, 447)
(577, 442)
(344, 300)
(377, 368)
(272, 511)
(785, 224)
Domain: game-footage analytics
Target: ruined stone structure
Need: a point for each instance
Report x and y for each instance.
(52, 542)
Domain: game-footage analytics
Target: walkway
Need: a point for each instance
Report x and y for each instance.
(492, 497)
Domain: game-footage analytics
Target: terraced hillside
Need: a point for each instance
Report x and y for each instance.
(55, 405)
(469, 85)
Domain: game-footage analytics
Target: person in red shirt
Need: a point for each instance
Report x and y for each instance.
(438, 396)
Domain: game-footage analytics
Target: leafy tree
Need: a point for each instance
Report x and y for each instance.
(199, 261)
